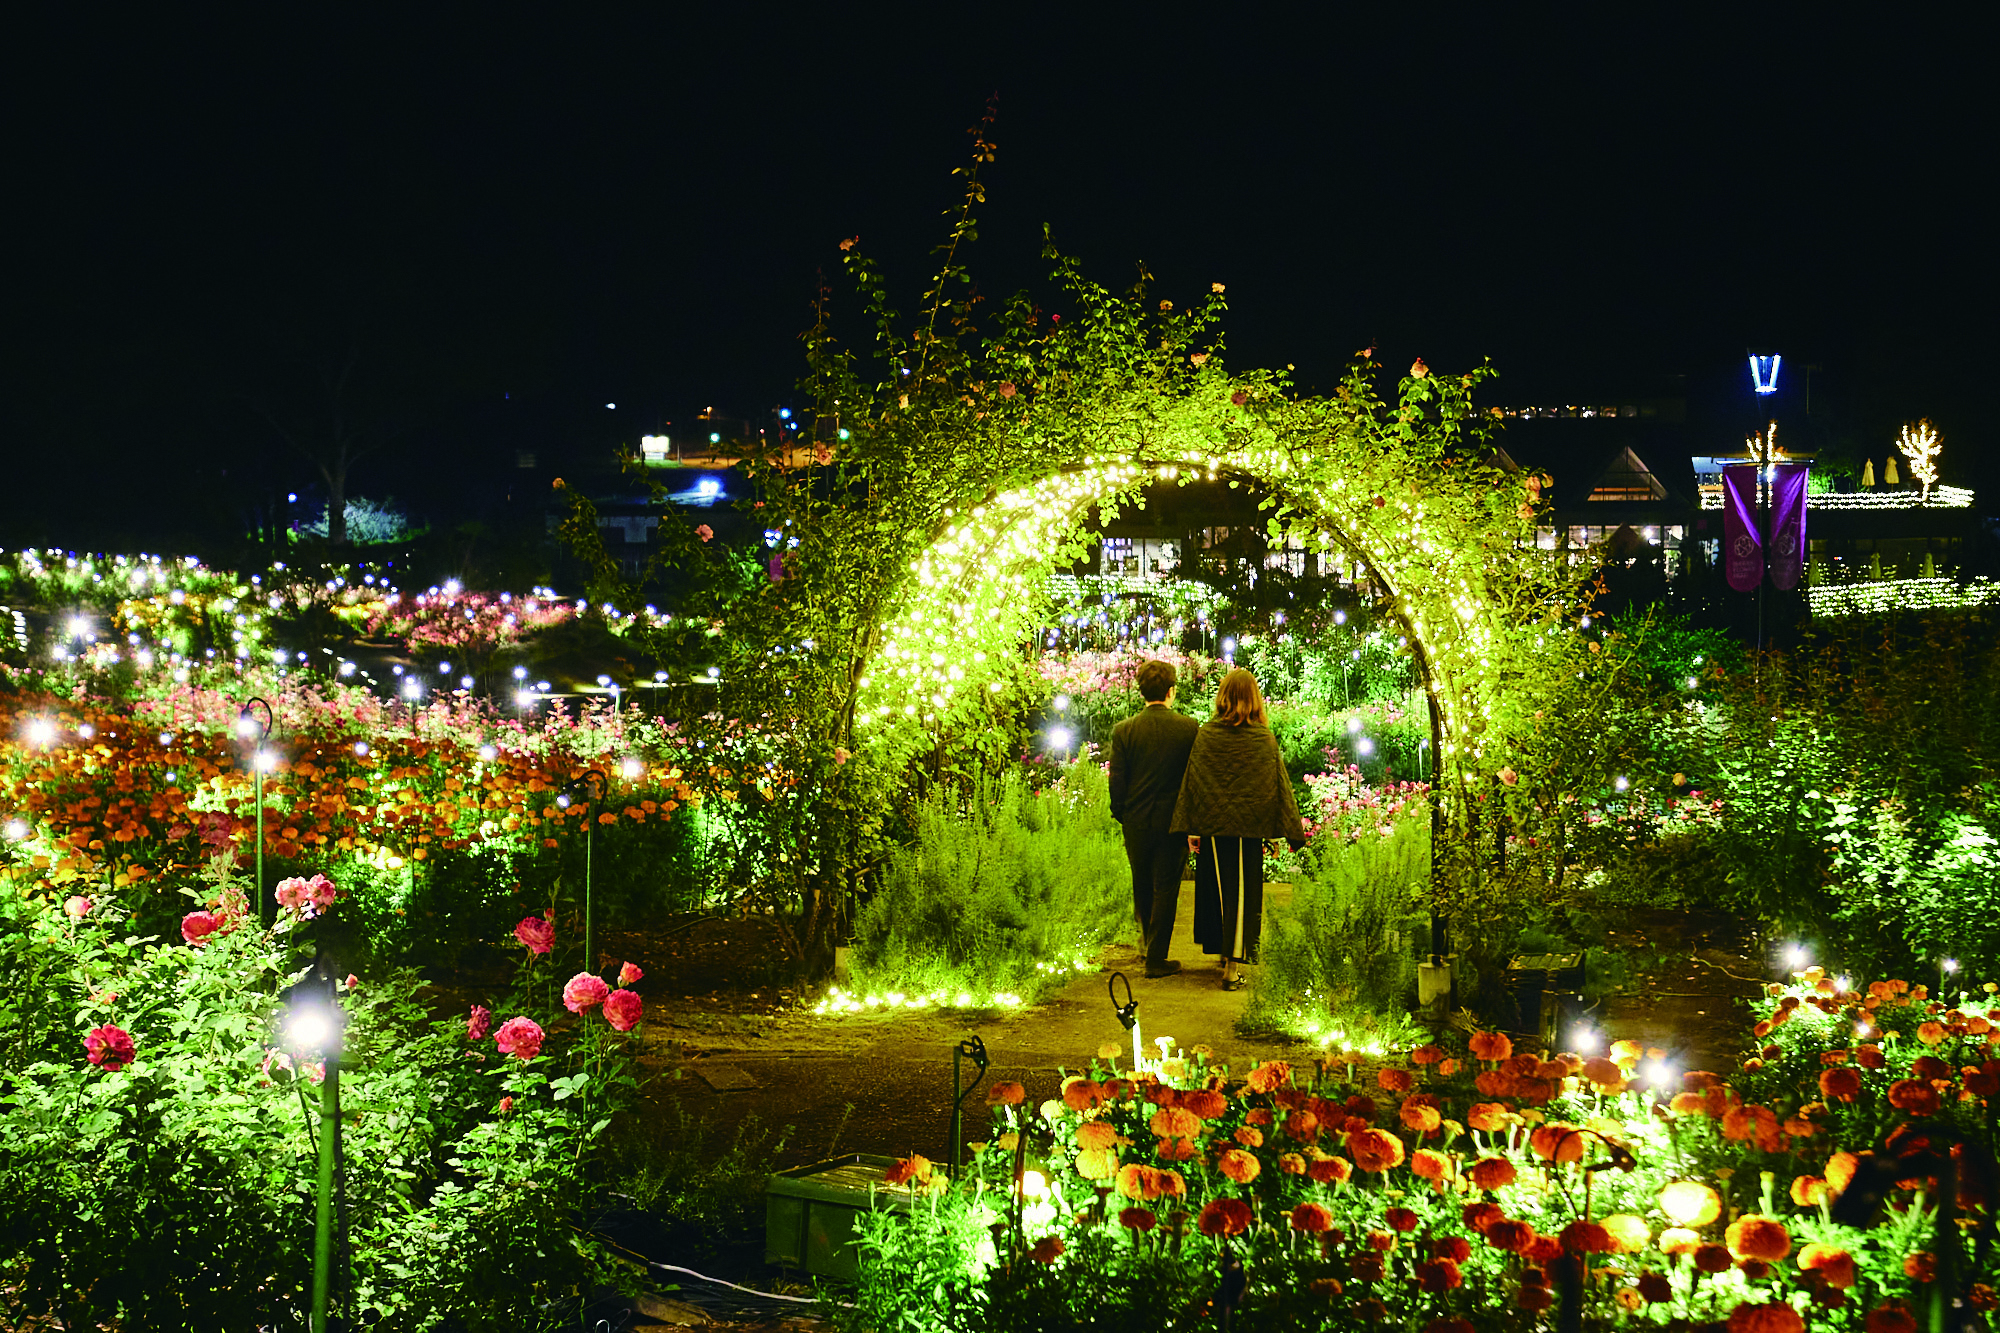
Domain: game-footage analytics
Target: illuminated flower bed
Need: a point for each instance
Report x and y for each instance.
(1840, 1180)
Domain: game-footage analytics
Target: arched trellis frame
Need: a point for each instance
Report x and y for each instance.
(1446, 537)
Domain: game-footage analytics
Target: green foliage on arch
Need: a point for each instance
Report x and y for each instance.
(958, 463)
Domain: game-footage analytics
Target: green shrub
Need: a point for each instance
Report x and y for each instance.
(1343, 955)
(1000, 894)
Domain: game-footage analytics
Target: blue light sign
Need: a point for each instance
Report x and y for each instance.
(1764, 372)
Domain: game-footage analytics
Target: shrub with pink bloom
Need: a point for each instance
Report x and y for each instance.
(76, 907)
(585, 990)
(478, 1023)
(196, 927)
(537, 933)
(109, 1046)
(622, 1009)
(629, 973)
(520, 1037)
(308, 897)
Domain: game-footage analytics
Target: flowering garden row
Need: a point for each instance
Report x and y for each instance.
(1826, 1184)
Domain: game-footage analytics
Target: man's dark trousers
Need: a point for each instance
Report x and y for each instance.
(1157, 862)
(1149, 755)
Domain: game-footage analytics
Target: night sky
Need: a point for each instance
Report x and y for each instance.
(506, 222)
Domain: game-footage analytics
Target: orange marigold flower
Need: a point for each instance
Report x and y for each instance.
(1840, 1169)
(1629, 1234)
(1177, 1150)
(1224, 1217)
(1491, 1173)
(1137, 1219)
(1774, 1317)
(1807, 1191)
(1679, 1240)
(1311, 1217)
(1840, 1085)
(1175, 1122)
(1097, 1163)
(1557, 1142)
(1292, 1164)
(1833, 1263)
(1080, 1094)
(1890, 1319)
(1690, 1203)
(1438, 1275)
(1922, 1266)
(1239, 1166)
(1005, 1094)
(914, 1169)
(1915, 1098)
(1394, 1080)
(1713, 1258)
(1480, 1216)
(1870, 1057)
(1423, 1119)
(1604, 1073)
(1401, 1219)
(1330, 1170)
(1302, 1126)
(1205, 1102)
(1983, 1081)
(1429, 1164)
(1587, 1238)
(1269, 1076)
(1491, 1045)
(1656, 1288)
(1486, 1116)
(1509, 1235)
(1755, 1236)
(1249, 1136)
(1375, 1149)
(1096, 1134)
(1534, 1299)
(1930, 1034)
(1688, 1103)
(1627, 1053)
(1046, 1250)
(1426, 1055)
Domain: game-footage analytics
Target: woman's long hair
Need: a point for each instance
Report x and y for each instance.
(1239, 702)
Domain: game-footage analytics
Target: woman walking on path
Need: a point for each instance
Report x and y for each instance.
(1235, 795)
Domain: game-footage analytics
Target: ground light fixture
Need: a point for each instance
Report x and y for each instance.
(1127, 1015)
(42, 732)
(588, 787)
(252, 728)
(973, 1049)
(313, 1025)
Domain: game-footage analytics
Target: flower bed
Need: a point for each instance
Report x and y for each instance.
(1841, 1179)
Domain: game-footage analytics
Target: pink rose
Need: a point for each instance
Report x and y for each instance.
(705, 532)
(478, 1023)
(521, 1037)
(308, 897)
(586, 990)
(76, 908)
(841, 755)
(622, 1008)
(537, 933)
(109, 1046)
(1509, 776)
(629, 973)
(196, 927)
(1007, 389)
(351, 982)
(1418, 369)
(506, 1105)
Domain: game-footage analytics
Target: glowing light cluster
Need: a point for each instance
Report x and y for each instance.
(838, 1001)
(1936, 594)
(1942, 497)
(1920, 444)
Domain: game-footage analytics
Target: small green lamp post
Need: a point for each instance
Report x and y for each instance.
(250, 727)
(589, 788)
(313, 1026)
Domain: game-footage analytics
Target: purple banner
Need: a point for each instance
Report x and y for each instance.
(1742, 547)
(1788, 525)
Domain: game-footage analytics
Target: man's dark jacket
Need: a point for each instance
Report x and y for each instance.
(1149, 755)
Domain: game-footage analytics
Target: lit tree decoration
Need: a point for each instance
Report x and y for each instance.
(1920, 444)
(1763, 449)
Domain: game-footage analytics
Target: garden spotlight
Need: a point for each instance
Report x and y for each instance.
(41, 731)
(313, 1024)
(252, 728)
(631, 768)
(361, 749)
(1584, 1040)
(1949, 965)
(16, 830)
(488, 754)
(1797, 957)
(1660, 1074)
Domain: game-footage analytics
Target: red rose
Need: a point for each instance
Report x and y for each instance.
(629, 973)
(538, 934)
(520, 1037)
(478, 1023)
(622, 1009)
(109, 1046)
(585, 990)
(196, 927)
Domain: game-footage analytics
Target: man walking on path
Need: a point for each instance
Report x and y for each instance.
(1149, 755)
